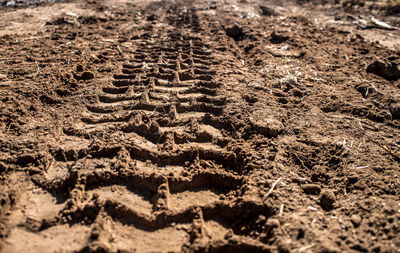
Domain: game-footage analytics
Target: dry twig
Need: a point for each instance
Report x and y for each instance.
(272, 188)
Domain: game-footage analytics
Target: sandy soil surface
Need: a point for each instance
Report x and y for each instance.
(199, 126)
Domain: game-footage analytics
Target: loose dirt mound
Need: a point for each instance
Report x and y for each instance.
(189, 126)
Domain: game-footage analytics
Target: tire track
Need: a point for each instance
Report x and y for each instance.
(171, 163)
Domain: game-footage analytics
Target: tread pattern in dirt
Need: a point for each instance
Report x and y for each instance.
(171, 163)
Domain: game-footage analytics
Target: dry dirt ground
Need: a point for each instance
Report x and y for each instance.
(198, 126)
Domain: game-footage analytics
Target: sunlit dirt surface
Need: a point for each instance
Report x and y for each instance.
(199, 126)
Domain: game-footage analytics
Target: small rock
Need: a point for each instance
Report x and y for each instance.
(356, 220)
(384, 68)
(87, 75)
(313, 189)
(267, 126)
(235, 32)
(327, 199)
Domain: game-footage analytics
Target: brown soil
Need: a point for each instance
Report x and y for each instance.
(198, 126)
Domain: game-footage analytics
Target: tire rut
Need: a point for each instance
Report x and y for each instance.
(159, 161)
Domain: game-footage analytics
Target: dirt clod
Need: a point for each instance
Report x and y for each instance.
(86, 75)
(384, 68)
(234, 32)
(267, 11)
(327, 200)
(356, 220)
(395, 110)
(313, 189)
(267, 126)
(278, 37)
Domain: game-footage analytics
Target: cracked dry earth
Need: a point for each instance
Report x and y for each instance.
(141, 126)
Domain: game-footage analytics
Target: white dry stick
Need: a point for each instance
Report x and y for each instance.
(119, 50)
(382, 24)
(38, 69)
(306, 247)
(72, 14)
(281, 210)
(373, 87)
(49, 164)
(272, 188)
(127, 46)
